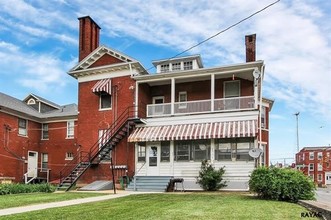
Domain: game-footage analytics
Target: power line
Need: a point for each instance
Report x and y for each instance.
(220, 32)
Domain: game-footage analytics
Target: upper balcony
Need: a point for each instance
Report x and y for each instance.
(201, 106)
(234, 88)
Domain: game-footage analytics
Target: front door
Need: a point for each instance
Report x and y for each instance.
(328, 178)
(153, 159)
(32, 163)
(158, 105)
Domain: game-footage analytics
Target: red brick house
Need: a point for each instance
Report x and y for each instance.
(39, 137)
(316, 163)
(154, 127)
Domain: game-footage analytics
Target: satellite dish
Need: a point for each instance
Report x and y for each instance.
(256, 73)
(255, 152)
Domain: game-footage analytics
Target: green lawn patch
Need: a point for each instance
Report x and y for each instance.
(218, 205)
(15, 200)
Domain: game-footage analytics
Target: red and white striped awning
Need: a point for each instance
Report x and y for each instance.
(229, 129)
(103, 85)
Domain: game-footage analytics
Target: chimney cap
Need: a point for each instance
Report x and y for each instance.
(88, 17)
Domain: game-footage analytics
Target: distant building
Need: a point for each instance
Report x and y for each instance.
(316, 163)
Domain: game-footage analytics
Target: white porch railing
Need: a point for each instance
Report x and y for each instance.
(201, 106)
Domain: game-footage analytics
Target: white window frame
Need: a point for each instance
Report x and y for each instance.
(23, 131)
(320, 177)
(43, 162)
(69, 156)
(164, 68)
(182, 105)
(319, 155)
(311, 155)
(177, 64)
(158, 109)
(188, 65)
(31, 101)
(141, 152)
(100, 102)
(263, 117)
(311, 169)
(319, 167)
(231, 82)
(70, 129)
(44, 130)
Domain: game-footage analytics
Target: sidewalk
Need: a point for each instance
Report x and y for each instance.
(16, 210)
(316, 206)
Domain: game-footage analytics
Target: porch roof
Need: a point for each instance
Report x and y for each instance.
(227, 129)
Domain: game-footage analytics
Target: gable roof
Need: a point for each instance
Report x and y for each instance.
(11, 105)
(41, 99)
(98, 53)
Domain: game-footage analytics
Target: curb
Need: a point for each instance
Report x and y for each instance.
(318, 207)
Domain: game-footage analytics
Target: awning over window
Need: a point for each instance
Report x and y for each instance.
(229, 129)
(103, 85)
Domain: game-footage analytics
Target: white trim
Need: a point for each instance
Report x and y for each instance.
(182, 105)
(103, 74)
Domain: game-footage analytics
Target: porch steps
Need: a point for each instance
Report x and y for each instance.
(149, 183)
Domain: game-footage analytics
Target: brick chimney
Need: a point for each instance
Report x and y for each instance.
(250, 47)
(88, 36)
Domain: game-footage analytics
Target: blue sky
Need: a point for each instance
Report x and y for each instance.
(39, 44)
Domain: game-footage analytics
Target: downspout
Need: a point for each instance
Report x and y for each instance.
(260, 112)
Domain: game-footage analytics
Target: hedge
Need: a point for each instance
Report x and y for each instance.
(281, 184)
(17, 188)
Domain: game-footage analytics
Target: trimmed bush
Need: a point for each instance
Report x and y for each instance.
(281, 184)
(209, 178)
(25, 188)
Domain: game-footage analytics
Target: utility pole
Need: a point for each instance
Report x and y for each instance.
(297, 119)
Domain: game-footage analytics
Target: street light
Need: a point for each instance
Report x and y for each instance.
(297, 119)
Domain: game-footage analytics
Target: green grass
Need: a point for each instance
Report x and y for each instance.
(15, 200)
(173, 206)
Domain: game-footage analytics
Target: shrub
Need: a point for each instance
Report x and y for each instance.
(25, 188)
(209, 178)
(281, 184)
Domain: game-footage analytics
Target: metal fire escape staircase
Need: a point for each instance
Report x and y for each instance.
(100, 150)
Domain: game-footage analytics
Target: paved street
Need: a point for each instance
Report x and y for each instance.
(323, 195)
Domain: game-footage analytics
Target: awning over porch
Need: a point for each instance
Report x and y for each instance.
(103, 85)
(229, 129)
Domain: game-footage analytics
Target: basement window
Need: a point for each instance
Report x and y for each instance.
(69, 156)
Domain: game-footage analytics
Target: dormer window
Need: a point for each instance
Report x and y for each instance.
(188, 65)
(164, 68)
(176, 66)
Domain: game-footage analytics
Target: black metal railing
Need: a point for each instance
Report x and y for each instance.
(106, 140)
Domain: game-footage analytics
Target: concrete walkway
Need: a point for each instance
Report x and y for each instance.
(16, 210)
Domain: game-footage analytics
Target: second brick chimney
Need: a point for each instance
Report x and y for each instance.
(250, 47)
(88, 36)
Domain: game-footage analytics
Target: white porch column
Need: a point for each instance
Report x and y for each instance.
(136, 101)
(212, 91)
(173, 96)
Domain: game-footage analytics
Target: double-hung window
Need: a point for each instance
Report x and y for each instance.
(141, 152)
(44, 131)
(70, 129)
(231, 92)
(22, 127)
(105, 101)
(182, 98)
(44, 162)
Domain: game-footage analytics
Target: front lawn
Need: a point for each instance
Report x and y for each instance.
(219, 205)
(15, 200)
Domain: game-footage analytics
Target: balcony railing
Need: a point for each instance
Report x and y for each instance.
(201, 106)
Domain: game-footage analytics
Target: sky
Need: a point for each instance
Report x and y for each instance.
(39, 45)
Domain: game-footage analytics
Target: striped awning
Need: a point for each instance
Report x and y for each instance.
(103, 85)
(229, 129)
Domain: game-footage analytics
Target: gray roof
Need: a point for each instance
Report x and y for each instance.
(11, 104)
(43, 100)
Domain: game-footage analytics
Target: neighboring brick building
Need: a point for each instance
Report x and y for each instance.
(39, 137)
(164, 124)
(316, 163)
